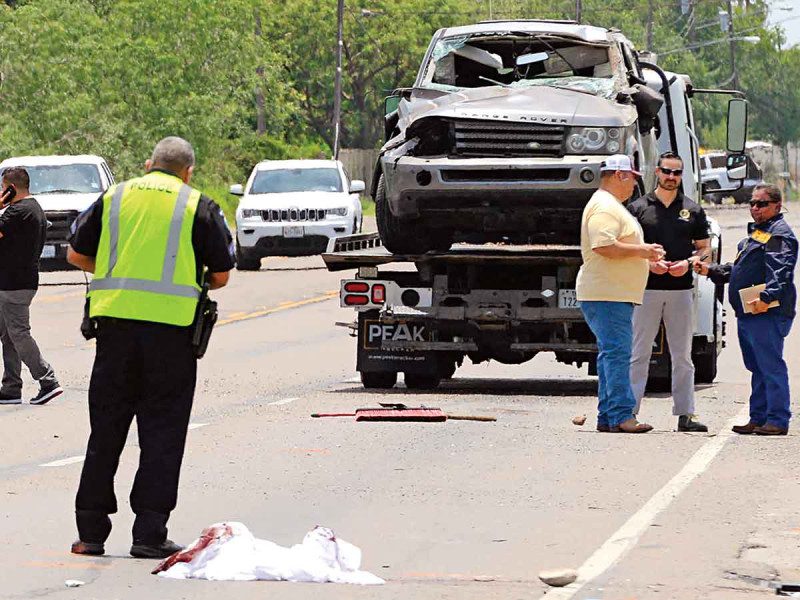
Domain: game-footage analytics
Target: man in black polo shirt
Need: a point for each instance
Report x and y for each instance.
(22, 232)
(671, 219)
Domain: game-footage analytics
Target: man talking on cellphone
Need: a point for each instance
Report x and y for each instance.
(22, 234)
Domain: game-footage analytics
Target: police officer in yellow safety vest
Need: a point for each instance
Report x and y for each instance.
(148, 242)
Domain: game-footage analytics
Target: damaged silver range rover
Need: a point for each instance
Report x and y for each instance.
(502, 136)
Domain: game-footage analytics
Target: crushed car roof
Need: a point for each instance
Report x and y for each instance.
(587, 33)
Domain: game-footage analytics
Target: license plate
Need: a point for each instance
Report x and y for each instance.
(567, 299)
(49, 251)
(293, 232)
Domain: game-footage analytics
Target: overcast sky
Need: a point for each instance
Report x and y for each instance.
(788, 19)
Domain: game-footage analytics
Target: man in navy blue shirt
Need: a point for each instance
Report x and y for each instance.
(767, 256)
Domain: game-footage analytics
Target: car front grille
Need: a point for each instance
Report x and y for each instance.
(497, 138)
(59, 224)
(292, 215)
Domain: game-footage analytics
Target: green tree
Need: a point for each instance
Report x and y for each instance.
(113, 84)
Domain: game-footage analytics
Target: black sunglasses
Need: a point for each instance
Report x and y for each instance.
(676, 172)
(761, 203)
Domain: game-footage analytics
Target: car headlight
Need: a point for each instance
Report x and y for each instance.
(336, 212)
(249, 213)
(595, 140)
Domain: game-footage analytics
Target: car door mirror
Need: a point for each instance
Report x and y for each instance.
(357, 186)
(737, 167)
(737, 125)
(236, 189)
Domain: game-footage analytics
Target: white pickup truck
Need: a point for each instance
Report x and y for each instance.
(65, 186)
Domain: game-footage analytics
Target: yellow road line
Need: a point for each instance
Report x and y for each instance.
(236, 317)
(242, 316)
(57, 298)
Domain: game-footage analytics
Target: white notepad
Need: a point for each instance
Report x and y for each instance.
(752, 293)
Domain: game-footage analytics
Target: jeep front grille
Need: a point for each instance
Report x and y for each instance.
(497, 138)
(293, 214)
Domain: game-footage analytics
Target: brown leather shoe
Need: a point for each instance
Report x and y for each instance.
(603, 428)
(631, 426)
(745, 429)
(88, 548)
(770, 429)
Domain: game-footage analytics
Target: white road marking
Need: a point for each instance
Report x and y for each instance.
(627, 536)
(196, 425)
(64, 461)
(282, 402)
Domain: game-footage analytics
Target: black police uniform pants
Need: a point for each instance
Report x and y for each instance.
(145, 371)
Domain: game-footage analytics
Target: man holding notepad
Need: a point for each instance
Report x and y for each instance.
(763, 295)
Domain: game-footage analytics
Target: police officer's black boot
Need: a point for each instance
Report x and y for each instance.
(687, 423)
(162, 550)
(148, 527)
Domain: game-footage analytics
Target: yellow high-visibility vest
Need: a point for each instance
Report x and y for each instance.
(145, 267)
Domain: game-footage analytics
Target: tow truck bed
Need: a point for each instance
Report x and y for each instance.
(363, 250)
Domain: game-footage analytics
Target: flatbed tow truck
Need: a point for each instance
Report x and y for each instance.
(423, 314)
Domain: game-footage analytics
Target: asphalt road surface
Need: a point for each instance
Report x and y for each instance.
(446, 510)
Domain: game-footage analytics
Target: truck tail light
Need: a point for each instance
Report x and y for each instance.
(356, 300)
(378, 293)
(357, 287)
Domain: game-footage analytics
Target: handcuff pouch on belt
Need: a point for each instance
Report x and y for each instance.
(88, 324)
(204, 320)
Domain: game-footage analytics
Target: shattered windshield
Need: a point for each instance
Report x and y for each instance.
(476, 61)
(64, 179)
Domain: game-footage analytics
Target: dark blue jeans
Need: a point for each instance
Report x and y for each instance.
(612, 325)
(761, 339)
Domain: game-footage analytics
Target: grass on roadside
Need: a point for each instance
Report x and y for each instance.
(367, 206)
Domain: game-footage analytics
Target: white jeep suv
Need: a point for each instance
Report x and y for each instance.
(292, 208)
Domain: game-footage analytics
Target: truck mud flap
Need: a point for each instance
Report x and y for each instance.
(374, 355)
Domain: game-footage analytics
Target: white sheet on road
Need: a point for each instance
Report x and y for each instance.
(229, 552)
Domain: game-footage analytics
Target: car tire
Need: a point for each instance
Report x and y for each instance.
(245, 262)
(705, 367)
(447, 369)
(441, 241)
(382, 380)
(659, 385)
(421, 381)
(398, 236)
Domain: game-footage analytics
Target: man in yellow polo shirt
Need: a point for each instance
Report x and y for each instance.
(611, 280)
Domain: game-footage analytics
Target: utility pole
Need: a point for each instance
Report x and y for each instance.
(578, 10)
(261, 116)
(649, 42)
(734, 76)
(337, 92)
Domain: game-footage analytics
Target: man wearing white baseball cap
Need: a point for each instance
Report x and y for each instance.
(611, 280)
